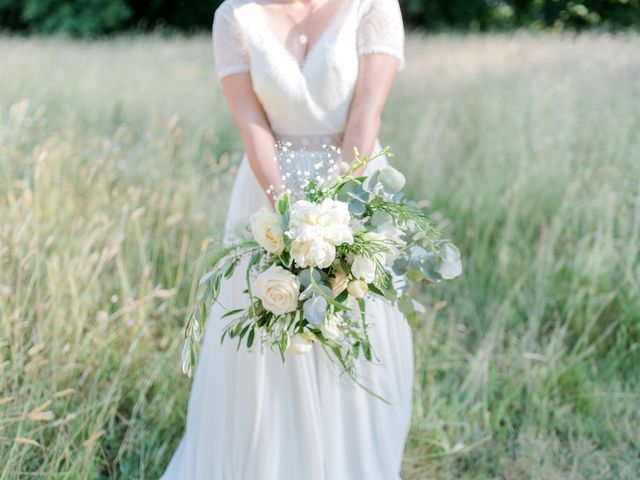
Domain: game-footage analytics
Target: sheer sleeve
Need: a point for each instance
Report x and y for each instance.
(230, 51)
(381, 30)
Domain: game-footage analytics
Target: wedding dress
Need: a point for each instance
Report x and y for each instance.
(251, 417)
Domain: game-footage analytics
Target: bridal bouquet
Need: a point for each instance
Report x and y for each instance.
(310, 264)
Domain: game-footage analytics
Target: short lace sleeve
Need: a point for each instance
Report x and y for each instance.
(229, 47)
(381, 30)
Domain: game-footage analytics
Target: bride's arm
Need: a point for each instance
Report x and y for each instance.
(257, 138)
(375, 79)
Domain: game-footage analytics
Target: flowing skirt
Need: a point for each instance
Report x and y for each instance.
(251, 417)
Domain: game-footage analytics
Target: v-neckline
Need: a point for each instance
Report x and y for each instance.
(300, 64)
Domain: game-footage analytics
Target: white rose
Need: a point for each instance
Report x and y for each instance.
(266, 226)
(364, 268)
(330, 328)
(301, 343)
(278, 290)
(316, 229)
(338, 282)
(357, 288)
(313, 253)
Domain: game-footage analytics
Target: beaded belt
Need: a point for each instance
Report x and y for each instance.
(309, 142)
(303, 158)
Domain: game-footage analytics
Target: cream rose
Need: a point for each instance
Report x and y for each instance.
(266, 226)
(363, 268)
(278, 290)
(357, 288)
(316, 230)
(301, 343)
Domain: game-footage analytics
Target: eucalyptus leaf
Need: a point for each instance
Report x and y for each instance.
(449, 251)
(357, 208)
(372, 182)
(406, 306)
(307, 293)
(348, 187)
(449, 266)
(380, 217)
(360, 195)
(315, 309)
(449, 270)
(418, 253)
(430, 271)
(304, 277)
(400, 266)
(392, 180)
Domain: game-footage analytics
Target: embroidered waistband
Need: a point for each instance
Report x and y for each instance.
(309, 142)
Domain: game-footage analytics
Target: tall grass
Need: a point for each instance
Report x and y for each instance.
(116, 159)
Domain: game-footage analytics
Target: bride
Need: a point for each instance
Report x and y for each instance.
(301, 78)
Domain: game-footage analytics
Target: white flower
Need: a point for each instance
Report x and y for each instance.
(301, 343)
(278, 290)
(313, 253)
(266, 226)
(363, 268)
(316, 230)
(357, 288)
(330, 328)
(338, 282)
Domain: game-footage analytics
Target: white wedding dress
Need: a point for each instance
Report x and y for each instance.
(250, 416)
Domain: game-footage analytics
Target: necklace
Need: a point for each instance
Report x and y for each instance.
(303, 38)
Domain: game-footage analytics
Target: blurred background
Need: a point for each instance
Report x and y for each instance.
(518, 121)
(92, 17)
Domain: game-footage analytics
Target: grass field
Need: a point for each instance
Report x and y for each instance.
(116, 158)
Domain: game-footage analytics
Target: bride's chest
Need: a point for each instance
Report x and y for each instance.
(326, 76)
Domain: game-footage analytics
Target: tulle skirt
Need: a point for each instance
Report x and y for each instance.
(251, 417)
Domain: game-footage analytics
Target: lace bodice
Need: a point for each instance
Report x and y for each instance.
(312, 97)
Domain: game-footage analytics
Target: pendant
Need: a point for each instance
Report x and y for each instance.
(303, 39)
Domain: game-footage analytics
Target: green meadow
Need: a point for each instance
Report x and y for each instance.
(116, 161)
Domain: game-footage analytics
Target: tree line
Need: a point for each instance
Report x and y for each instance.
(97, 17)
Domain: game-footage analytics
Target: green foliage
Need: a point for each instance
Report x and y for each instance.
(88, 17)
(91, 17)
(577, 14)
(559, 14)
